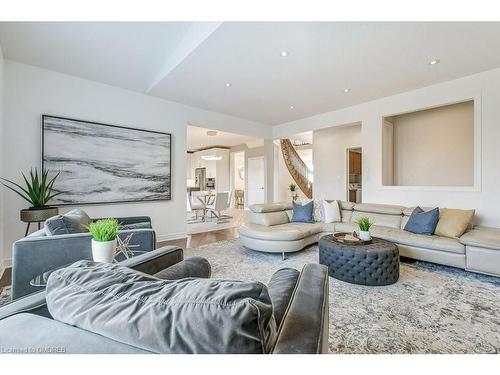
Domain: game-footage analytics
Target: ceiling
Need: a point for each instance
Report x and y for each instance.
(191, 62)
(197, 138)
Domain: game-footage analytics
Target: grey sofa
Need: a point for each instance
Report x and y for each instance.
(38, 253)
(299, 301)
(268, 228)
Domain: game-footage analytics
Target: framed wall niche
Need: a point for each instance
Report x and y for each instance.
(433, 148)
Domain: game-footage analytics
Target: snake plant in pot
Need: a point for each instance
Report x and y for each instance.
(38, 190)
(104, 233)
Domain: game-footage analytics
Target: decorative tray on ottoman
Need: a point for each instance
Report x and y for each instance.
(350, 239)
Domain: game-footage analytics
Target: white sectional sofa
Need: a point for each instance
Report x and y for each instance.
(268, 228)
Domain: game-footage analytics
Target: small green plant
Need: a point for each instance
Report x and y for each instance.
(364, 224)
(38, 190)
(104, 230)
(292, 187)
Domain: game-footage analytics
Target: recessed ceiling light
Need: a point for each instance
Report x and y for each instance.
(434, 62)
(212, 133)
(228, 84)
(292, 107)
(347, 90)
(284, 53)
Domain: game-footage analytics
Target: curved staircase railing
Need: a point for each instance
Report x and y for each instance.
(299, 171)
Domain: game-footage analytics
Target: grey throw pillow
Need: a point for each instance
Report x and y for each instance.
(182, 316)
(423, 222)
(75, 221)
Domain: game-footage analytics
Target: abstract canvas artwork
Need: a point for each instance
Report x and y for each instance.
(101, 163)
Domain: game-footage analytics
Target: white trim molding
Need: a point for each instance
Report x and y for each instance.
(172, 236)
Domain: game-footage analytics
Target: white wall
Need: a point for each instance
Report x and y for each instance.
(485, 197)
(330, 160)
(435, 147)
(1, 165)
(30, 92)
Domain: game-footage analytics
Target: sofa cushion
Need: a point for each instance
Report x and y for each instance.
(190, 315)
(387, 220)
(270, 207)
(482, 237)
(53, 337)
(269, 218)
(144, 225)
(281, 287)
(453, 222)
(422, 222)
(409, 210)
(75, 221)
(283, 232)
(345, 216)
(346, 205)
(399, 236)
(302, 213)
(387, 209)
(346, 227)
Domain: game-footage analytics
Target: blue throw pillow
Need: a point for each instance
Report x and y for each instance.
(423, 222)
(302, 214)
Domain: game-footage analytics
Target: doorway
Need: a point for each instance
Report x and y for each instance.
(237, 178)
(255, 180)
(354, 175)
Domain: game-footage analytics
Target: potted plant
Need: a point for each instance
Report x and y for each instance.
(364, 225)
(38, 190)
(104, 233)
(293, 188)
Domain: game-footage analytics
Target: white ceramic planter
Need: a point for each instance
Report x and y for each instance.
(103, 251)
(364, 235)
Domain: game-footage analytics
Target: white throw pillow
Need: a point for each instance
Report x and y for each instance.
(331, 211)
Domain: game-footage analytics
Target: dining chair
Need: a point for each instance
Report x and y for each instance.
(195, 205)
(229, 197)
(218, 205)
(239, 198)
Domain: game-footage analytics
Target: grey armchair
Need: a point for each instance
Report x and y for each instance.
(300, 305)
(39, 253)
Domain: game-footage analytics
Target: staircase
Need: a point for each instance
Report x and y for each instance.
(297, 168)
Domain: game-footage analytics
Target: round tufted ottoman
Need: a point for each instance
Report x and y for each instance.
(375, 264)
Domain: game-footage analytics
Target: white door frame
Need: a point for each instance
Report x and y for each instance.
(247, 169)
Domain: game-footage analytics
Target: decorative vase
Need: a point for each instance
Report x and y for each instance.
(103, 251)
(364, 235)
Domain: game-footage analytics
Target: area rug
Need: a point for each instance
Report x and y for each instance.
(431, 309)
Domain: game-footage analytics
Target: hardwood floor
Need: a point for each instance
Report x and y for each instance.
(199, 239)
(6, 277)
(193, 240)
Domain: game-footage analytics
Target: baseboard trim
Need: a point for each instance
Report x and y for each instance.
(7, 263)
(172, 236)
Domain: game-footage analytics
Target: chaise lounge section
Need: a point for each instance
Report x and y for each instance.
(268, 229)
